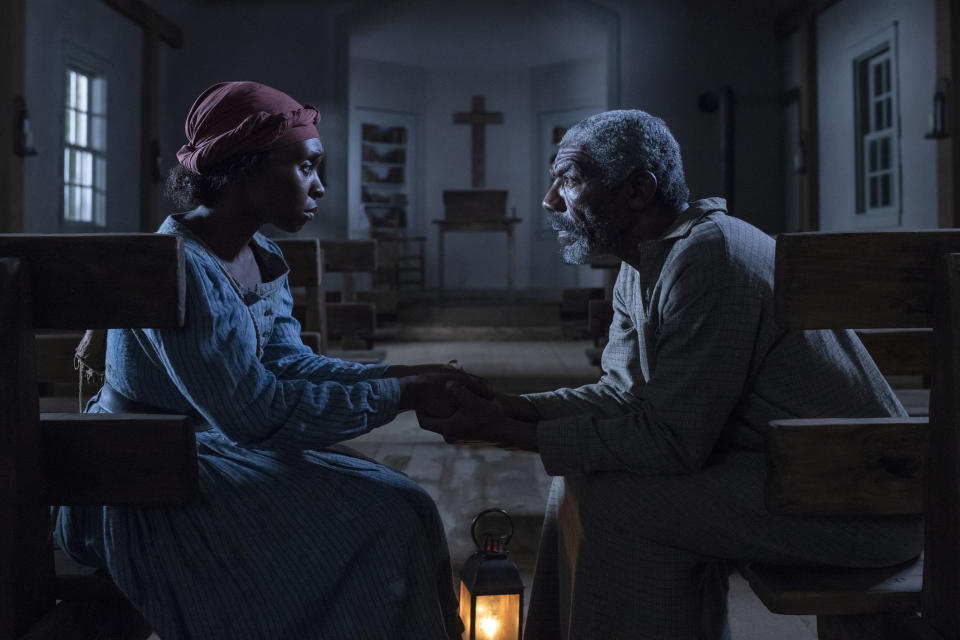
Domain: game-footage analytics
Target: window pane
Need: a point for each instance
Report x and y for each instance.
(100, 201)
(82, 120)
(68, 128)
(83, 99)
(86, 204)
(886, 76)
(885, 190)
(72, 203)
(100, 175)
(873, 155)
(67, 211)
(888, 104)
(98, 133)
(72, 164)
(86, 173)
(98, 100)
(66, 165)
(877, 80)
(71, 94)
(878, 115)
(873, 192)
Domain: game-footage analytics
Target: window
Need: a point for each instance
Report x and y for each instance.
(877, 129)
(85, 149)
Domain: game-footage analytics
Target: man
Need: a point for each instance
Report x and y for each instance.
(659, 465)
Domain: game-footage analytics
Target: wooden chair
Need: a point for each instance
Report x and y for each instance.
(831, 467)
(575, 310)
(79, 282)
(352, 321)
(305, 259)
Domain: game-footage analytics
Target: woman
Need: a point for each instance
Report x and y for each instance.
(291, 538)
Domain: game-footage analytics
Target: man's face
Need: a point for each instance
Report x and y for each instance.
(289, 187)
(588, 217)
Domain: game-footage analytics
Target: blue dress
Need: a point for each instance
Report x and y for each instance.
(288, 540)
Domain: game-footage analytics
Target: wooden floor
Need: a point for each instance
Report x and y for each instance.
(465, 479)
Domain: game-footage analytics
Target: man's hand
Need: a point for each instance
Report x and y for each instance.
(430, 393)
(481, 420)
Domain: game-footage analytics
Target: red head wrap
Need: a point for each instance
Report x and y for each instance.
(239, 117)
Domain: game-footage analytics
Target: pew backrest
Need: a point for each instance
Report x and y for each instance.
(77, 282)
(903, 280)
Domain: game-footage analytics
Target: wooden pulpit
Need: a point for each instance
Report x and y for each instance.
(476, 211)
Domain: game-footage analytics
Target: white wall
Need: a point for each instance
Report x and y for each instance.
(564, 86)
(96, 30)
(290, 46)
(399, 90)
(838, 30)
(671, 52)
(478, 260)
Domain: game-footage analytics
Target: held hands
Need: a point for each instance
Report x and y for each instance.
(503, 420)
(426, 388)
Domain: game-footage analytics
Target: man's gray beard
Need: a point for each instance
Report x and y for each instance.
(577, 252)
(601, 238)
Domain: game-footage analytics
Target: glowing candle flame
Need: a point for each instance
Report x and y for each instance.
(489, 626)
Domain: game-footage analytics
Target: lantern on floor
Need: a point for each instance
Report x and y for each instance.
(491, 591)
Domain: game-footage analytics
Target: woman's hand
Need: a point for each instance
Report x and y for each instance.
(431, 394)
(423, 387)
(481, 420)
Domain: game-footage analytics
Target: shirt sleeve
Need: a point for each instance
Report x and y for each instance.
(212, 361)
(609, 396)
(289, 359)
(700, 361)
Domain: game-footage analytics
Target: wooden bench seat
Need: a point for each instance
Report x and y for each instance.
(836, 590)
(75, 282)
(853, 467)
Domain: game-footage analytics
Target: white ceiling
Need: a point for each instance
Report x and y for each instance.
(473, 35)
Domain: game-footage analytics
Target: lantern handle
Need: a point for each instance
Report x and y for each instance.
(476, 519)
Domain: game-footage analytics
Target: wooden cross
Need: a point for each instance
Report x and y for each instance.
(477, 118)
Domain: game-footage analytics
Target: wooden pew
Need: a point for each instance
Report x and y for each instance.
(352, 321)
(77, 282)
(574, 310)
(865, 466)
(305, 259)
(904, 354)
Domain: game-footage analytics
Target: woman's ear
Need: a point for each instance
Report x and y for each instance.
(643, 185)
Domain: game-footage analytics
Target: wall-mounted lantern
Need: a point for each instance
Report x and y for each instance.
(939, 126)
(491, 590)
(23, 134)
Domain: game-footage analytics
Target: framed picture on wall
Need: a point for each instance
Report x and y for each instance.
(551, 127)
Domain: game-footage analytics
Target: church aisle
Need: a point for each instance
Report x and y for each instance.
(466, 479)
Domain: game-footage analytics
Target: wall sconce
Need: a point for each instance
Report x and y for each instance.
(939, 125)
(800, 159)
(491, 590)
(23, 134)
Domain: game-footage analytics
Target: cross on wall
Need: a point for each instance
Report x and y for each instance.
(477, 118)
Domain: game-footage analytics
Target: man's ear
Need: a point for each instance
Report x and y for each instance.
(643, 186)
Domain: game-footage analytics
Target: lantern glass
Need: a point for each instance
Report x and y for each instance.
(495, 617)
(466, 601)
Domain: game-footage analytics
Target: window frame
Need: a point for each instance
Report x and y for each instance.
(95, 69)
(868, 159)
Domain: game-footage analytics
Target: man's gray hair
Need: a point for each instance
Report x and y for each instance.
(628, 139)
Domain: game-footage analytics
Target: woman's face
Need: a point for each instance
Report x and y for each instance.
(286, 191)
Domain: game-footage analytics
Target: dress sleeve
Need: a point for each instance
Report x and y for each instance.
(709, 318)
(289, 359)
(609, 396)
(212, 360)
